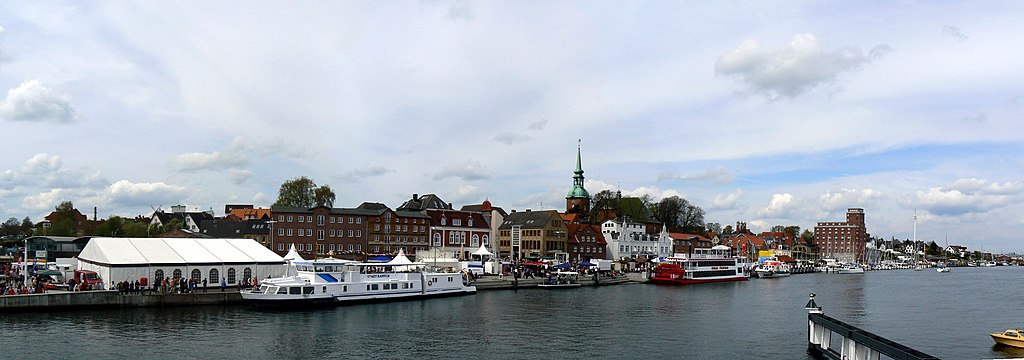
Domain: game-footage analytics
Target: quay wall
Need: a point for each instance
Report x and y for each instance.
(107, 298)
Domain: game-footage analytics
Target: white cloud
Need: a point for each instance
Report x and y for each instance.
(965, 197)
(42, 163)
(42, 201)
(792, 69)
(779, 206)
(260, 198)
(31, 101)
(719, 175)
(125, 192)
(471, 171)
(538, 125)
(727, 201)
(208, 161)
(847, 198)
(757, 226)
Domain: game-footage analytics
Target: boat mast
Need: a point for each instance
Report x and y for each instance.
(915, 235)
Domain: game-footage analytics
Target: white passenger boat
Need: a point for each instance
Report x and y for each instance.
(851, 268)
(561, 279)
(335, 281)
(772, 268)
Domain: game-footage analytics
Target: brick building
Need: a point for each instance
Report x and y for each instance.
(843, 241)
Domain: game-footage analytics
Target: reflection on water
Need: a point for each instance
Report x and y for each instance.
(945, 315)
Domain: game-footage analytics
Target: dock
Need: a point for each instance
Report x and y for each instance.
(828, 338)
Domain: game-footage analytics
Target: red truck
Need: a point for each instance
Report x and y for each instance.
(88, 280)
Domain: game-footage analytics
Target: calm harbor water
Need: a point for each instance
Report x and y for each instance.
(944, 315)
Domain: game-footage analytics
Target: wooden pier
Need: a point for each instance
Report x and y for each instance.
(829, 338)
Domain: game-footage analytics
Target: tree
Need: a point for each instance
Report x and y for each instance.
(678, 214)
(778, 228)
(727, 230)
(301, 192)
(713, 227)
(27, 226)
(792, 230)
(112, 227)
(807, 236)
(603, 202)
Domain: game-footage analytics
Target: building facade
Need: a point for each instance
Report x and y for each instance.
(455, 234)
(532, 234)
(632, 240)
(843, 241)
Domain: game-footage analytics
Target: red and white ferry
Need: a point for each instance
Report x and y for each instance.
(704, 266)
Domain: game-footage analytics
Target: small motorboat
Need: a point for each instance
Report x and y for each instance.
(1011, 337)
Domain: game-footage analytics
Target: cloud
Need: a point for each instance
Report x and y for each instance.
(719, 175)
(953, 32)
(365, 172)
(847, 198)
(508, 138)
(779, 206)
(239, 176)
(965, 197)
(727, 201)
(538, 125)
(976, 118)
(792, 69)
(127, 193)
(259, 198)
(31, 101)
(42, 163)
(468, 172)
(757, 226)
(235, 156)
(44, 200)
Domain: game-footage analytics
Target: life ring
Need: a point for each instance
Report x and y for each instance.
(429, 282)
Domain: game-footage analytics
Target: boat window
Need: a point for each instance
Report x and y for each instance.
(307, 290)
(329, 268)
(344, 288)
(294, 290)
(319, 269)
(281, 290)
(374, 287)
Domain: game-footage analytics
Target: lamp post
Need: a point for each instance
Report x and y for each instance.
(271, 222)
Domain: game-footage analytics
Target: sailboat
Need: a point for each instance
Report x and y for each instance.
(919, 266)
(943, 267)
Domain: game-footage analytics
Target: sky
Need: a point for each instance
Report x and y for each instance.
(769, 113)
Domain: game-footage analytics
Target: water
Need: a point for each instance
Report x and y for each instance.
(944, 315)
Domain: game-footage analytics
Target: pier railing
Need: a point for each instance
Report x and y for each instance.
(853, 342)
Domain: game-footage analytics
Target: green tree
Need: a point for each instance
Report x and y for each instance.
(603, 201)
(135, 229)
(727, 230)
(64, 222)
(713, 227)
(636, 208)
(27, 226)
(678, 214)
(778, 228)
(792, 230)
(807, 236)
(302, 192)
(112, 227)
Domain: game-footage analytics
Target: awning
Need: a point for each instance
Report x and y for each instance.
(563, 266)
(587, 263)
(49, 272)
(533, 263)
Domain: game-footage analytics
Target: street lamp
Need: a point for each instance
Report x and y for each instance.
(271, 222)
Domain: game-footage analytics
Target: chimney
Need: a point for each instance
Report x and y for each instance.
(93, 213)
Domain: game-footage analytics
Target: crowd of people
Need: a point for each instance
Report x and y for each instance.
(13, 281)
(175, 285)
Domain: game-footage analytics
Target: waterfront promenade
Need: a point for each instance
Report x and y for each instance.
(65, 300)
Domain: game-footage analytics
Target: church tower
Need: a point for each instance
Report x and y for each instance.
(577, 201)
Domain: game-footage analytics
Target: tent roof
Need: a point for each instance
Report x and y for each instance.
(293, 255)
(141, 251)
(482, 251)
(400, 259)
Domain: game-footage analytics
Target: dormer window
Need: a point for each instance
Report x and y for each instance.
(470, 221)
(444, 221)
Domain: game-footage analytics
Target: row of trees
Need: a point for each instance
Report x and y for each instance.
(678, 214)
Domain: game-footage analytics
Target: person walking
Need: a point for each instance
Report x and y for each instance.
(204, 284)
(223, 284)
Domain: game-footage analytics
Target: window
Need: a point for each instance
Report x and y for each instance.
(319, 248)
(444, 221)
(214, 276)
(350, 219)
(376, 227)
(349, 247)
(247, 274)
(457, 222)
(280, 247)
(359, 247)
(289, 232)
(350, 233)
(159, 274)
(359, 220)
(280, 218)
(451, 238)
(309, 232)
(332, 232)
(437, 239)
(309, 247)
(485, 240)
(280, 232)
(331, 247)
(332, 219)
(231, 275)
(405, 228)
(319, 234)
(470, 221)
(289, 218)
(359, 233)
(476, 240)
(320, 220)
(387, 228)
(301, 218)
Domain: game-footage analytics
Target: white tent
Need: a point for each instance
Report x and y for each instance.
(119, 259)
(400, 259)
(482, 251)
(293, 256)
